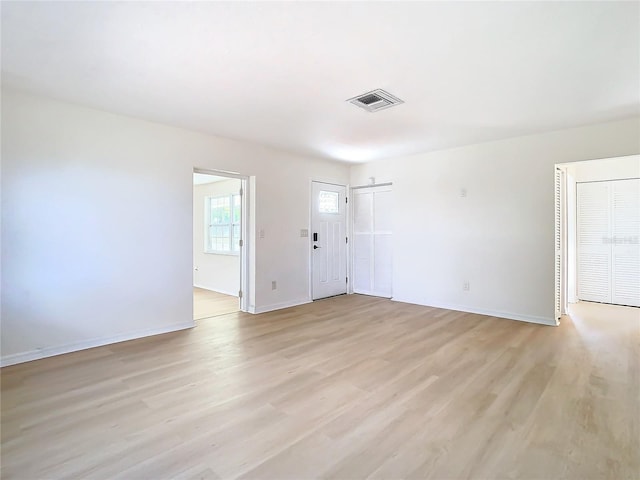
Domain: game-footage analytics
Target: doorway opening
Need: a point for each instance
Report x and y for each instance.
(597, 230)
(219, 243)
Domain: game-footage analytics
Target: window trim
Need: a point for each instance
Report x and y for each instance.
(207, 225)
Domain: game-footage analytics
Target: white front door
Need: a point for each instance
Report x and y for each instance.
(328, 240)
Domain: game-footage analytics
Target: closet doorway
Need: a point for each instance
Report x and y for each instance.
(597, 233)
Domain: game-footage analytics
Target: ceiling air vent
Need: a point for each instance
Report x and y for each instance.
(375, 100)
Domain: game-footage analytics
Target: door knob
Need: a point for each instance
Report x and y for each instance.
(315, 246)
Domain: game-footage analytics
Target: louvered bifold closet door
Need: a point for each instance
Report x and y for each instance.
(625, 246)
(593, 250)
(559, 231)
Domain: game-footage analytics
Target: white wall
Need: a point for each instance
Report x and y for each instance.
(97, 224)
(500, 236)
(220, 273)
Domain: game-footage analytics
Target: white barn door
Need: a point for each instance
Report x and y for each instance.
(372, 237)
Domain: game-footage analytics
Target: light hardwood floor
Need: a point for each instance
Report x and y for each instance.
(211, 304)
(348, 387)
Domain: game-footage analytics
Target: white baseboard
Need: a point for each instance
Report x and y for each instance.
(278, 306)
(45, 352)
(481, 311)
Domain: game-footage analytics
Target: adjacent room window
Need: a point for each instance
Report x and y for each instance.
(222, 225)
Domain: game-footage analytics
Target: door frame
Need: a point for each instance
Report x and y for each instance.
(245, 216)
(626, 167)
(347, 219)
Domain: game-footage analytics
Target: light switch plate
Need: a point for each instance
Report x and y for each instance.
(304, 233)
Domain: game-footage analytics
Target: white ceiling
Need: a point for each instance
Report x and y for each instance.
(279, 73)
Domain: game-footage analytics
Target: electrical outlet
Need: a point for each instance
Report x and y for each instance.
(465, 286)
(274, 285)
(463, 192)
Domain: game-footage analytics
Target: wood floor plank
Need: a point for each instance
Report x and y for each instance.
(207, 303)
(347, 387)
